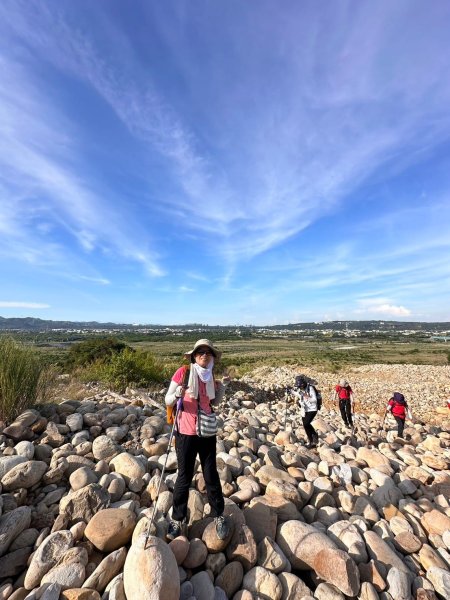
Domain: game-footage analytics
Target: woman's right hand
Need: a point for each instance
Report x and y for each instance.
(179, 391)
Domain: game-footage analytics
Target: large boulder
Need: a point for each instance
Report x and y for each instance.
(66, 575)
(301, 543)
(435, 522)
(242, 547)
(380, 551)
(105, 572)
(375, 459)
(24, 475)
(46, 556)
(128, 466)
(151, 571)
(18, 432)
(104, 448)
(12, 524)
(267, 473)
(111, 528)
(262, 583)
(230, 578)
(83, 504)
(8, 462)
(336, 567)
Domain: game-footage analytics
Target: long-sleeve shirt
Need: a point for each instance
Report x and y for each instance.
(307, 398)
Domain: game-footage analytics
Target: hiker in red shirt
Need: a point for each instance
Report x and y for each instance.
(344, 395)
(398, 407)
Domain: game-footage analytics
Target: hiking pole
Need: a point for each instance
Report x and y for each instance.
(286, 392)
(150, 523)
(353, 416)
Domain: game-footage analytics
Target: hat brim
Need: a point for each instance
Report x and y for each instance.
(216, 353)
(203, 344)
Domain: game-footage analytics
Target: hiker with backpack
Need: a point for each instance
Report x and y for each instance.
(398, 407)
(310, 400)
(343, 394)
(193, 390)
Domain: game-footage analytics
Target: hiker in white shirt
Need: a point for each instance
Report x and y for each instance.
(307, 397)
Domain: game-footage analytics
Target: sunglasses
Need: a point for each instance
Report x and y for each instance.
(203, 352)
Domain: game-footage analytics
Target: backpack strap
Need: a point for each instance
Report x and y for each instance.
(186, 374)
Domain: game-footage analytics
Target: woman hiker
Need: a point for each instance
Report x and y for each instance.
(398, 407)
(202, 391)
(307, 398)
(344, 396)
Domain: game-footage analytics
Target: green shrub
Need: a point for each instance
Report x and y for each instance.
(127, 368)
(91, 350)
(24, 378)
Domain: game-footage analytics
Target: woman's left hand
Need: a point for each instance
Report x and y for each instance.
(226, 380)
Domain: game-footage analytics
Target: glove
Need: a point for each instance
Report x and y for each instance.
(180, 404)
(179, 391)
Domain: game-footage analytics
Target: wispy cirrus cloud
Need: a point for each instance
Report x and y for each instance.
(16, 304)
(99, 280)
(42, 185)
(303, 150)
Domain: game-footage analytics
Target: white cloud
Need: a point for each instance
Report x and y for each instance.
(13, 304)
(392, 310)
(381, 306)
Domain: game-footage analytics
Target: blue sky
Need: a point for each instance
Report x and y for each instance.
(225, 162)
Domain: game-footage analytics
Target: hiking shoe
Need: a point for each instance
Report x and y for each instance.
(222, 527)
(174, 529)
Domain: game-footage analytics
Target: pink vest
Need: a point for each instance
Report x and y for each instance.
(187, 418)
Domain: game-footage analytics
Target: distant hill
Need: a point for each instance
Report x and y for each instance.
(32, 324)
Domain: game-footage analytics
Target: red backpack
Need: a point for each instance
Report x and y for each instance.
(347, 392)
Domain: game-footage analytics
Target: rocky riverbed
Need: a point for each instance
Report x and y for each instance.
(364, 515)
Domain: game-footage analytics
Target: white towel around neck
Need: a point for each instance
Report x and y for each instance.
(206, 376)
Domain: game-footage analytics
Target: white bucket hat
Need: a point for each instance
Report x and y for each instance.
(343, 383)
(217, 353)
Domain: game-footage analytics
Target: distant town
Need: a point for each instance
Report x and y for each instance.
(344, 329)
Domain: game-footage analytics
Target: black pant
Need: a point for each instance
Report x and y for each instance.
(309, 429)
(345, 406)
(187, 448)
(400, 425)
